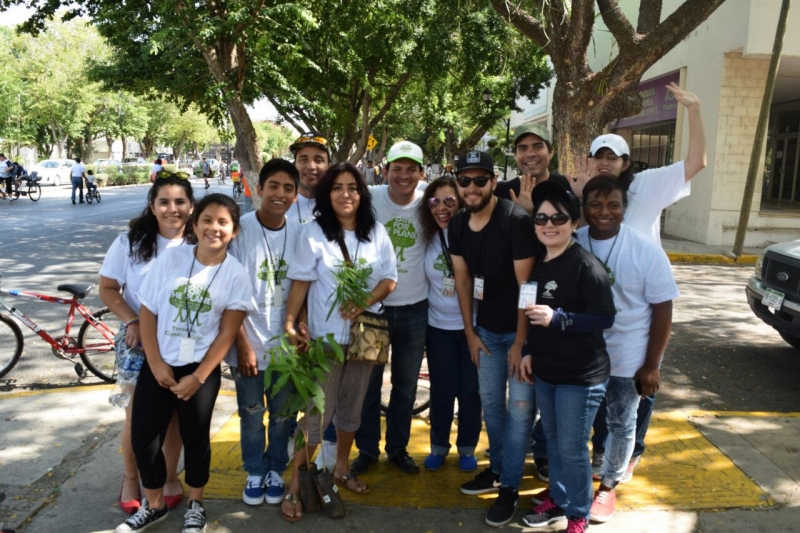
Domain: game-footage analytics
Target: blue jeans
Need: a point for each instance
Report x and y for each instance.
(643, 414)
(453, 376)
(77, 183)
(622, 401)
(250, 392)
(567, 415)
(407, 327)
(508, 425)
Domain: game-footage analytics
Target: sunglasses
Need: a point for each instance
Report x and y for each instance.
(464, 181)
(311, 138)
(559, 219)
(165, 174)
(449, 201)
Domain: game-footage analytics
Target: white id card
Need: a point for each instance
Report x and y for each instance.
(186, 354)
(477, 291)
(527, 294)
(448, 287)
(277, 295)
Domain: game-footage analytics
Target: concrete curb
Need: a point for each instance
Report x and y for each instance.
(709, 259)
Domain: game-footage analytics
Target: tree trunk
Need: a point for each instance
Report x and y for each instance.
(247, 149)
(124, 147)
(110, 143)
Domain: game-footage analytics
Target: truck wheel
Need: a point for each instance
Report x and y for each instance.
(791, 339)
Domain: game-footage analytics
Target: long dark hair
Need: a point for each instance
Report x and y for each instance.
(428, 223)
(143, 230)
(626, 176)
(326, 216)
(222, 200)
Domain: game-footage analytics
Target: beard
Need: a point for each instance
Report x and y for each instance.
(477, 208)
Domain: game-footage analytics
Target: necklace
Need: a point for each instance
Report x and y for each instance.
(611, 276)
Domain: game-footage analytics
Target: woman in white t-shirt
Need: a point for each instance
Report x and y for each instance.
(155, 169)
(343, 215)
(164, 223)
(453, 374)
(194, 299)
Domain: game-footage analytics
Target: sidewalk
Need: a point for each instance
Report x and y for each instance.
(684, 251)
(703, 471)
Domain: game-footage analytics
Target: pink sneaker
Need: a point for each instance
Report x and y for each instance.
(628, 475)
(603, 505)
(577, 525)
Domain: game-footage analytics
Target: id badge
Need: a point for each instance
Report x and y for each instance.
(527, 294)
(277, 295)
(448, 287)
(186, 354)
(477, 291)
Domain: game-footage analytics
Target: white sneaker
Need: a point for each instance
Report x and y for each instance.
(326, 457)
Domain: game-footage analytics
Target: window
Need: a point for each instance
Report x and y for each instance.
(781, 189)
(653, 146)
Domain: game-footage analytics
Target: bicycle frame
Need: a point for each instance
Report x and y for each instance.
(75, 305)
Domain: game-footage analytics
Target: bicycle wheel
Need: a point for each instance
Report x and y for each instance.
(34, 191)
(89, 198)
(10, 344)
(236, 192)
(97, 196)
(423, 398)
(97, 342)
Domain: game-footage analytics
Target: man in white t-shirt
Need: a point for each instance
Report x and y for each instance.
(265, 246)
(395, 207)
(78, 174)
(643, 288)
(5, 174)
(312, 159)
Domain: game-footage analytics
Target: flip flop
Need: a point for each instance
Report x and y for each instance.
(352, 484)
(294, 499)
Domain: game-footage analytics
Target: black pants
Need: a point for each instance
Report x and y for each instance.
(8, 181)
(153, 406)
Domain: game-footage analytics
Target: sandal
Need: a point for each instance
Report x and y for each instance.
(129, 506)
(173, 500)
(351, 483)
(293, 499)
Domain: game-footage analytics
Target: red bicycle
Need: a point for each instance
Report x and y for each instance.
(94, 344)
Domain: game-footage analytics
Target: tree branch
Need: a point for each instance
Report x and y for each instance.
(527, 24)
(617, 23)
(649, 16)
(580, 31)
(280, 109)
(390, 98)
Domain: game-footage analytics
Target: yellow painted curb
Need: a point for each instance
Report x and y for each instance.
(709, 259)
(26, 393)
(741, 414)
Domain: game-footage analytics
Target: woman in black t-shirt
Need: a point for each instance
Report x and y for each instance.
(569, 362)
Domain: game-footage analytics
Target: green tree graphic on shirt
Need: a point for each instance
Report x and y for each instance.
(440, 264)
(266, 271)
(403, 235)
(190, 301)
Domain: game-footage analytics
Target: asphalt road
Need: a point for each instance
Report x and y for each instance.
(720, 356)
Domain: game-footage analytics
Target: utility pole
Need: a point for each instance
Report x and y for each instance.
(755, 155)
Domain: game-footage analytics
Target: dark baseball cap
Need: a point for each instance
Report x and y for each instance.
(532, 129)
(550, 189)
(475, 159)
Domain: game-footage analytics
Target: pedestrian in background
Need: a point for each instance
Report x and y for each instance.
(78, 174)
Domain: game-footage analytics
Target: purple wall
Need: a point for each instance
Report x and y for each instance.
(658, 104)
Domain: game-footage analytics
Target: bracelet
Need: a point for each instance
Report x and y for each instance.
(200, 381)
(132, 321)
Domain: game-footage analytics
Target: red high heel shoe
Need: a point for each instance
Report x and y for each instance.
(130, 506)
(174, 501)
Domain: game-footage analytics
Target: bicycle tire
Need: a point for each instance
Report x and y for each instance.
(97, 196)
(423, 398)
(89, 198)
(34, 192)
(98, 352)
(11, 342)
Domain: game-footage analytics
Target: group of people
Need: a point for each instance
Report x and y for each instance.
(9, 171)
(545, 328)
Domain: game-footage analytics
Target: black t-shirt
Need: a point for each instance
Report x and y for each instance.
(503, 188)
(575, 282)
(490, 253)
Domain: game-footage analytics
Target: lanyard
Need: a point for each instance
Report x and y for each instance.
(189, 326)
(275, 261)
(605, 263)
(446, 253)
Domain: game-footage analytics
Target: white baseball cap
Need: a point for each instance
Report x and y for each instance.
(407, 150)
(611, 141)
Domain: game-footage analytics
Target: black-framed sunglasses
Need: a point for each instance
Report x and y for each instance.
(559, 219)
(449, 201)
(165, 174)
(480, 181)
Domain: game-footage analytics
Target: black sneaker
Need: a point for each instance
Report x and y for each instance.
(486, 481)
(502, 510)
(544, 514)
(361, 464)
(143, 518)
(194, 521)
(404, 462)
(543, 468)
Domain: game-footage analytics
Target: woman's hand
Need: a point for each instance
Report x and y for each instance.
(349, 311)
(163, 374)
(186, 387)
(540, 315)
(526, 369)
(688, 99)
(298, 336)
(133, 335)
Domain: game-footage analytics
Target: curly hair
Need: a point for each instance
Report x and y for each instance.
(143, 230)
(428, 222)
(326, 216)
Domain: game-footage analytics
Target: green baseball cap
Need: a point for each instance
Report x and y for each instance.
(405, 150)
(534, 129)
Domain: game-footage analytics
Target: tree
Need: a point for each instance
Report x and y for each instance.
(584, 101)
(274, 138)
(190, 128)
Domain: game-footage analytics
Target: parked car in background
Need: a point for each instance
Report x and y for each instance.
(101, 165)
(774, 290)
(134, 161)
(54, 171)
(167, 158)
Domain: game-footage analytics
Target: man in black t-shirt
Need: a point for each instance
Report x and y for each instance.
(492, 245)
(532, 152)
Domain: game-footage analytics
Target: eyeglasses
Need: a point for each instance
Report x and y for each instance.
(165, 174)
(559, 219)
(464, 181)
(311, 138)
(449, 201)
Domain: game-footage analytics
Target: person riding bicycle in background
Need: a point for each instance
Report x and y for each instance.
(91, 186)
